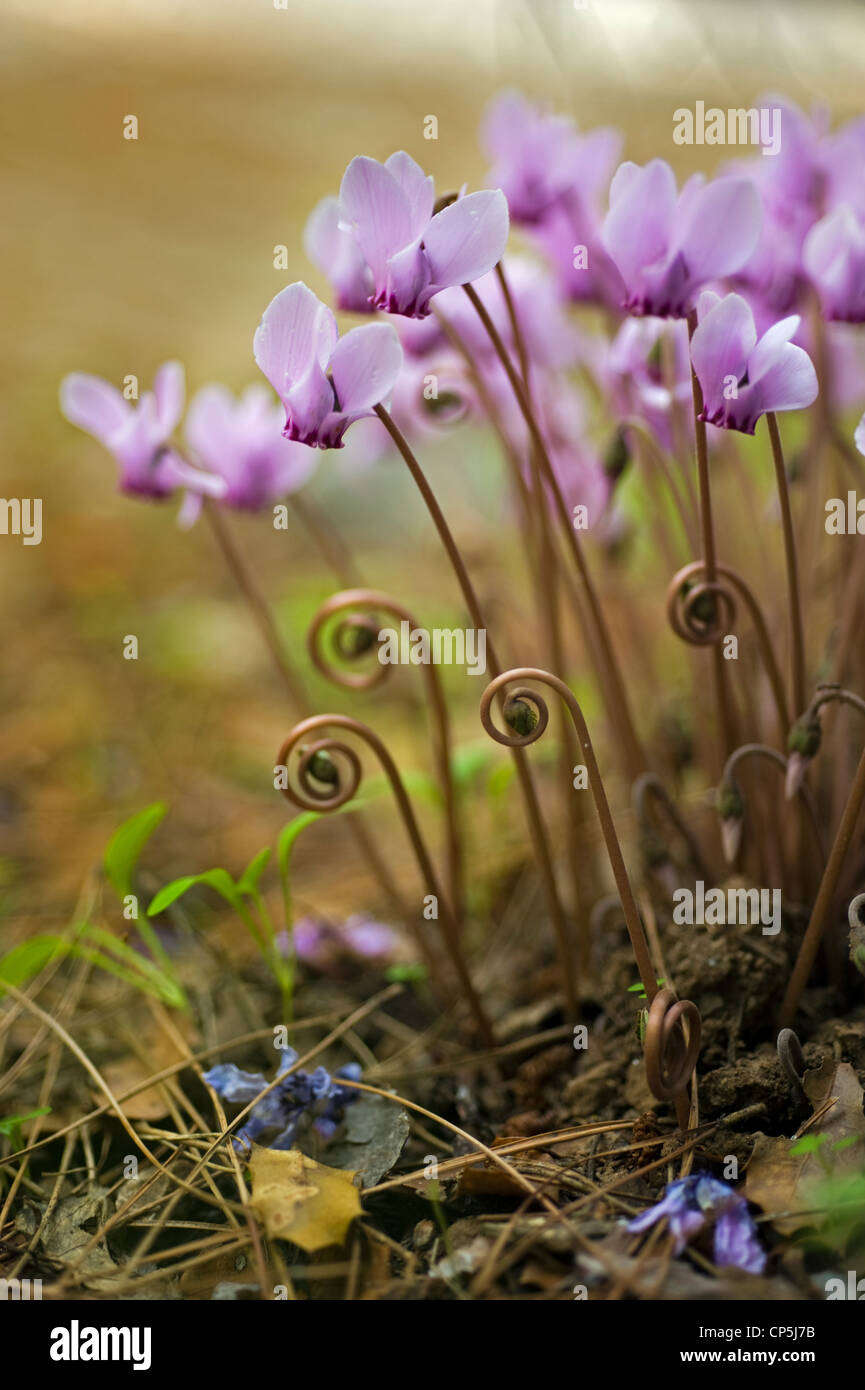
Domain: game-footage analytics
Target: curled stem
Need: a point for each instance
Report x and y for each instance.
(762, 750)
(825, 897)
(683, 613)
(527, 787)
(356, 635)
(670, 1058)
(610, 674)
(309, 791)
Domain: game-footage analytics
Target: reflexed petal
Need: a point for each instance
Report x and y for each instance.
(790, 383)
(365, 366)
(93, 405)
(296, 333)
(374, 205)
(169, 388)
(722, 343)
(720, 227)
(638, 228)
(417, 186)
(231, 1083)
(208, 422)
(468, 238)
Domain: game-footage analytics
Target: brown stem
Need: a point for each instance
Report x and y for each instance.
(667, 1077)
(763, 750)
(632, 752)
(330, 543)
(246, 582)
(797, 642)
(546, 589)
(374, 602)
(316, 798)
(260, 611)
(825, 898)
(533, 814)
(686, 626)
(722, 694)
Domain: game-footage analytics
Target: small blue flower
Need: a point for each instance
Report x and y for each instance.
(690, 1202)
(316, 1094)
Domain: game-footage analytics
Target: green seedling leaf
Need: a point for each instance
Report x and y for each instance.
(410, 973)
(10, 1128)
(249, 879)
(125, 846)
(808, 1144)
(23, 962)
(219, 880)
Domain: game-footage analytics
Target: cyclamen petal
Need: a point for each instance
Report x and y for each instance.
(333, 250)
(467, 239)
(296, 331)
(93, 405)
(834, 257)
(365, 365)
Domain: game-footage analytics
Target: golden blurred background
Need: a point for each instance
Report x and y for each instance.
(117, 255)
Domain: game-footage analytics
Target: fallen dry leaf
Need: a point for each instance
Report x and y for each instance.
(301, 1200)
(778, 1180)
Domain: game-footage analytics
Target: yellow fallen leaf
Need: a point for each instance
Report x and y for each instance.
(301, 1200)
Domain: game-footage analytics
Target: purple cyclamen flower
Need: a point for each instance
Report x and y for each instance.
(138, 435)
(834, 257)
(668, 245)
(412, 251)
(316, 1094)
(325, 382)
(690, 1202)
(335, 948)
(538, 157)
(743, 378)
(241, 441)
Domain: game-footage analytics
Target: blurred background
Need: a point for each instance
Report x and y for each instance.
(117, 255)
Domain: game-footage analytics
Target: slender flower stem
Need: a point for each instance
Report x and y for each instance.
(330, 543)
(374, 602)
(632, 752)
(825, 898)
(547, 588)
(260, 611)
(533, 812)
(258, 607)
(771, 755)
(306, 795)
(722, 698)
(668, 1067)
(797, 641)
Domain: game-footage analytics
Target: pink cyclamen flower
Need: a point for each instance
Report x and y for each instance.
(241, 441)
(411, 250)
(325, 382)
(138, 435)
(540, 158)
(668, 245)
(743, 378)
(834, 257)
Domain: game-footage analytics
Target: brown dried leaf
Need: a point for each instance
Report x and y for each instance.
(301, 1200)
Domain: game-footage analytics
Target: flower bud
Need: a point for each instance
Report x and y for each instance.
(731, 809)
(521, 717)
(323, 768)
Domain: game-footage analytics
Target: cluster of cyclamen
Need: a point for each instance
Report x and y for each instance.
(768, 234)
